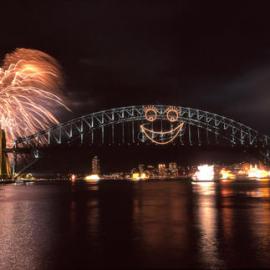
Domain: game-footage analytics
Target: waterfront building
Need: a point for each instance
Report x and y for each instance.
(173, 169)
(162, 169)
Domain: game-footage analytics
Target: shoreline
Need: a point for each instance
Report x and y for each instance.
(154, 180)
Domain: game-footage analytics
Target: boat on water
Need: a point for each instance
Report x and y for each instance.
(19, 182)
(196, 180)
(23, 182)
(28, 183)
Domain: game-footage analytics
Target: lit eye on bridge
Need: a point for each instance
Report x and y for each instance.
(150, 113)
(172, 114)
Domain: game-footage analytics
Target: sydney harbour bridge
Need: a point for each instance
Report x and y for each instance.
(143, 124)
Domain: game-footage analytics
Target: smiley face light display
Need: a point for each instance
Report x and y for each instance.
(171, 114)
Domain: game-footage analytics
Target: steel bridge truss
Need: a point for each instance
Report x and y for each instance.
(80, 128)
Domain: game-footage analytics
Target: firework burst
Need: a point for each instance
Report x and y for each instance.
(29, 80)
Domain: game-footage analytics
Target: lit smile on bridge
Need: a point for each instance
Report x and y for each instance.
(161, 137)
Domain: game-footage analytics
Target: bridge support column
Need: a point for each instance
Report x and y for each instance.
(199, 136)
(189, 134)
(14, 164)
(112, 133)
(267, 157)
(133, 140)
(123, 133)
(5, 169)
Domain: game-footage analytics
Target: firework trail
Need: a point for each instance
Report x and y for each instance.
(29, 80)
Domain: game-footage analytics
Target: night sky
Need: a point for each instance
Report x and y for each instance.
(208, 55)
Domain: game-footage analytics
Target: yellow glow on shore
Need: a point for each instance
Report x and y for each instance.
(92, 178)
(73, 178)
(204, 173)
(138, 176)
(135, 176)
(226, 174)
(255, 172)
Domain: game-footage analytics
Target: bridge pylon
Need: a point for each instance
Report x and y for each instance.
(5, 168)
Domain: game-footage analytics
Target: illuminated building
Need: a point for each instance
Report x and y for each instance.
(255, 172)
(161, 169)
(95, 166)
(173, 169)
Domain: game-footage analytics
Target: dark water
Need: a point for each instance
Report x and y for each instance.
(135, 225)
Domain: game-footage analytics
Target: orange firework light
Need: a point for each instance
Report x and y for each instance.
(28, 81)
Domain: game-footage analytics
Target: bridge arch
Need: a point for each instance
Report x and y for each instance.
(233, 131)
(186, 119)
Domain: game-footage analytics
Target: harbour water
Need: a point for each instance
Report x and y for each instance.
(144, 225)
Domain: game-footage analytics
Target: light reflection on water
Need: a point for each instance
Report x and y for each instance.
(263, 192)
(204, 188)
(207, 219)
(20, 226)
(144, 225)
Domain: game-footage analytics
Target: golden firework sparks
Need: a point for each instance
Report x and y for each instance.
(29, 80)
